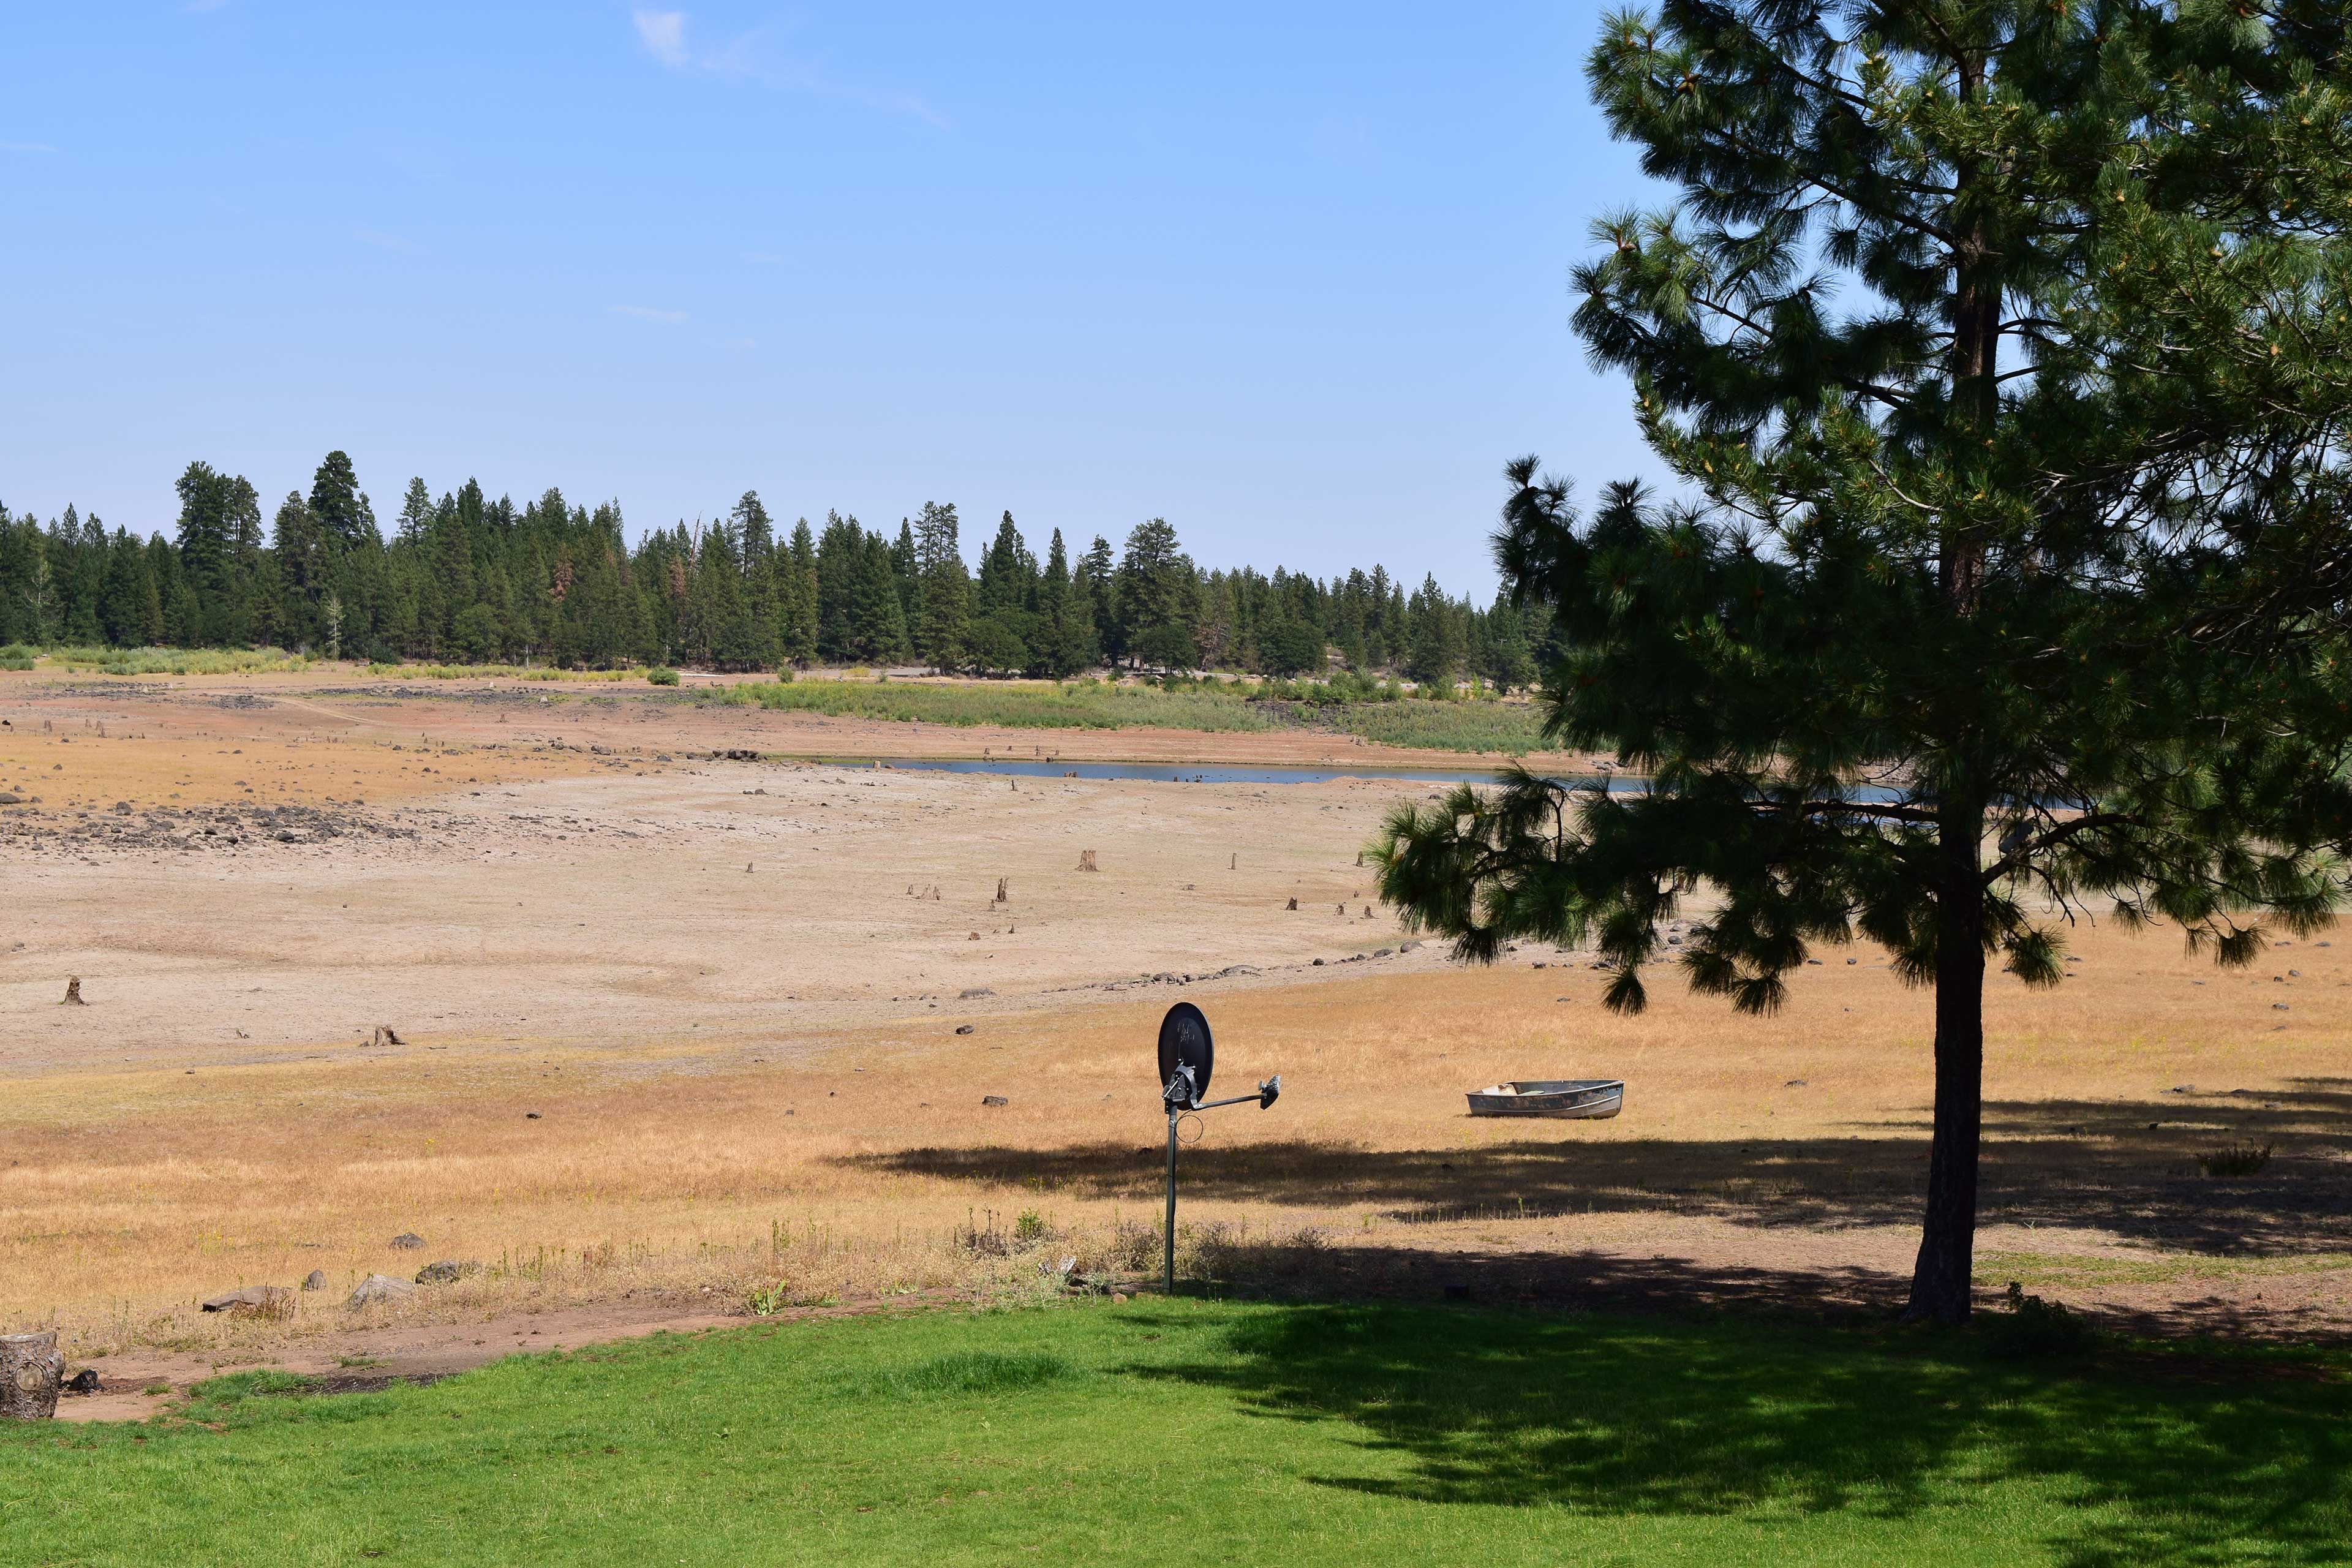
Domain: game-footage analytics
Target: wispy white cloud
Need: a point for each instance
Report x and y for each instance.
(663, 33)
(25, 147)
(756, 58)
(648, 314)
(383, 241)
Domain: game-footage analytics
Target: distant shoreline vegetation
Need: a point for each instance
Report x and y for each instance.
(1375, 711)
(465, 581)
(1382, 713)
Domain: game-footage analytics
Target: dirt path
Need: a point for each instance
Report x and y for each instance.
(139, 1383)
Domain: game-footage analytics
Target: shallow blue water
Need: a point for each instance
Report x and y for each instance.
(1188, 772)
(1212, 773)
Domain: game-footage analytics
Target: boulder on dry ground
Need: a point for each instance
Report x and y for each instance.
(255, 1302)
(378, 1288)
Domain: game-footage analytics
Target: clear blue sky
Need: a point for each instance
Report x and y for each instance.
(1294, 276)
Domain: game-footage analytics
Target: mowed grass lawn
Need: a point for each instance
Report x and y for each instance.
(1204, 1432)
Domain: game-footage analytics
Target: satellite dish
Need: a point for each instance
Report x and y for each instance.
(1185, 1042)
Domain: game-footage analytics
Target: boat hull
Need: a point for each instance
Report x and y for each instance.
(1559, 1099)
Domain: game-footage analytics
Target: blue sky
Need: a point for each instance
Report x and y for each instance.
(1293, 276)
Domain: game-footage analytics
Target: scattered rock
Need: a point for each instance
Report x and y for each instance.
(315, 1281)
(378, 1288)
(408, 1241)
(8, 798)
(531, 1116)
(1319, 964)
(1408, 947)
(993, 1100)
(1795, 1083)
(963, 1028)
(969, 992)
(255, 1302)
(448, 1271)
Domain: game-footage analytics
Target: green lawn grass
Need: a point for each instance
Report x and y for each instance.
(1201, 1432)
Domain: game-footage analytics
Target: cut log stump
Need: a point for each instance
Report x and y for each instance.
(30, 1372)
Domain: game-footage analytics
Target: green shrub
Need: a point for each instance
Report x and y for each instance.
(1031, 1226)
(16, 656)
(662, 675)
(2237, 1159)
(784, 676)
(2032, 1328)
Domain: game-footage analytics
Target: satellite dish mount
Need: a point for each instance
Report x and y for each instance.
(1188, 1054)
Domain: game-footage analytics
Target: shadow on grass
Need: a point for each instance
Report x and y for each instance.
(2173, 1459)
(2094, 1165)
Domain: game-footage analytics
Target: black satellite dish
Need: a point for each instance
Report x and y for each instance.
(1185, 1042)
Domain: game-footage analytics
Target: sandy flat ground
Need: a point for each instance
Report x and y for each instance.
(676, 1030)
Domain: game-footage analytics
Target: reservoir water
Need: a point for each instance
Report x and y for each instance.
(1215, 773)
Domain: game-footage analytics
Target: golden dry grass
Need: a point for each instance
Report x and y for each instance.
(699, 1135)
(850, 1167)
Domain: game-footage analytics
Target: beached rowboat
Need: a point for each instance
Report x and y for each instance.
(1592, 1098)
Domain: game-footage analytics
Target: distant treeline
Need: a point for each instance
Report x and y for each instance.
(465, 579)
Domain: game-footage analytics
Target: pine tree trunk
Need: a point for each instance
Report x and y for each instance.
(1947, 1261)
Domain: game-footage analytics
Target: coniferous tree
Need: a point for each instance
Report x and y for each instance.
(1097, 566)
(344, 519)
(415, 512)
(796, 599)
(1155, 592)
(1437, 648)
(876, 626)
(945, 588)
(2002, 349)
(1076, 647)
(300, 553)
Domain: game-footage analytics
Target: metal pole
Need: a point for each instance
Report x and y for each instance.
(1171, 1200)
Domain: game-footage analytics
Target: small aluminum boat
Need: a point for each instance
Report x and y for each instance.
(1592, 1098)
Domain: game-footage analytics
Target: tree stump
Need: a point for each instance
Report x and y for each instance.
(30, 1371)
(1001, 896)
(73, 994)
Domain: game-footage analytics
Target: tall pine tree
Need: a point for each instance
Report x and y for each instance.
(2004, 350)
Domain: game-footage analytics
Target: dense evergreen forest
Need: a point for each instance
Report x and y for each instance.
(465, 579)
